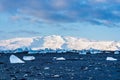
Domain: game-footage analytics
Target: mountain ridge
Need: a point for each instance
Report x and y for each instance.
(56, 41)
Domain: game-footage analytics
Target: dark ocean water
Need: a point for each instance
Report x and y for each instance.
(74, 67)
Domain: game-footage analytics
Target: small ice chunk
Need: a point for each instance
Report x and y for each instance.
(25, 75)
(28, 58)
(15, 59)
(46, 68)
(83, 52)
(60, 58)
(56, 76)
(111, 59)
(116, 52)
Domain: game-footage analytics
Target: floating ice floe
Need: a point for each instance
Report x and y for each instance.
(46, 68)
(60, 58)
(28, 58)
(116, 52)
(15, 59)
(83, 52)
(56, 76)
(111, 59)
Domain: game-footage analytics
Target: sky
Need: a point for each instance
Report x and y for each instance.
(91, 19)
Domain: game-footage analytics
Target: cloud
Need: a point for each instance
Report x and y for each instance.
(99, 1)
(25, 32)
(2, 32)
(59, 4)
(98, 12)
(16, 17)
(1, 7)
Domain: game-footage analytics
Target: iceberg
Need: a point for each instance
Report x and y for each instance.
(83, 52)
(15, 59)
(116, 52)
(60, 58)
(111, 59)
(28, 58)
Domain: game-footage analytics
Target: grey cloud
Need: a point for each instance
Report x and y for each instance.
(59, 11)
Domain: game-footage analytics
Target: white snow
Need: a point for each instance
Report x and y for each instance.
(15, 59)
(16, 43)
(60, 59)
(111, 59)
(27, 58)
(55, 42)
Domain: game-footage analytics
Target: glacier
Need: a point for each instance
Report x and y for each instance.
(56, 42)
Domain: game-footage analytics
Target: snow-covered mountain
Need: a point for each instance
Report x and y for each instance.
(55, 41)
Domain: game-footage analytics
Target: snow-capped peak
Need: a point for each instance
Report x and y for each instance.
(56, 41)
